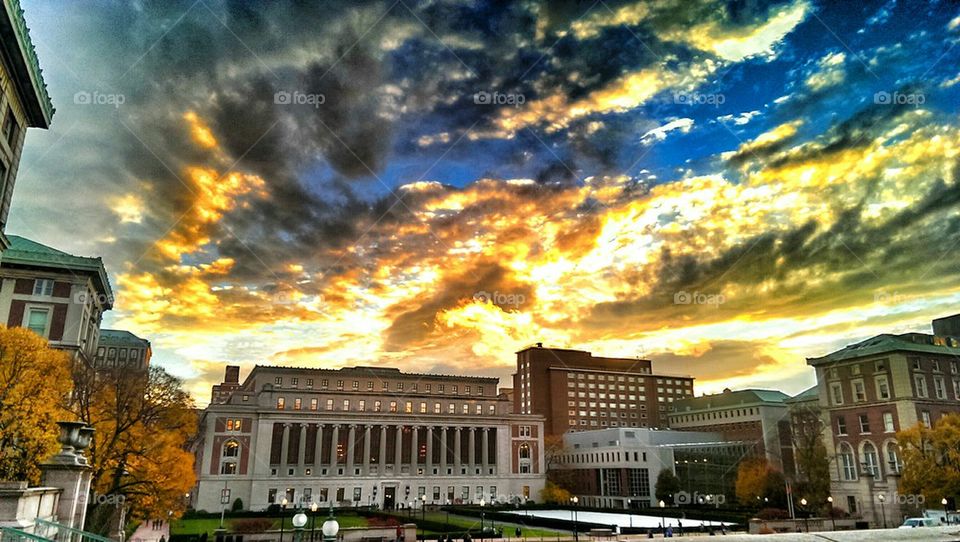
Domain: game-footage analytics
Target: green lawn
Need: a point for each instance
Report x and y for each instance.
(209, 525)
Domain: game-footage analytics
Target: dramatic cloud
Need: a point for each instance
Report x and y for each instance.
(722, 187)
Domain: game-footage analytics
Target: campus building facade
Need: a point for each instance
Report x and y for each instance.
(365, 436)
(577, 391)
(866, 393)
(751, 415)
(618, 468)
(59, 296)
(24, 101)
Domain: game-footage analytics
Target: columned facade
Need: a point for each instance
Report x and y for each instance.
(383, 449)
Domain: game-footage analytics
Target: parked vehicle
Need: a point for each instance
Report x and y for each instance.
(912, 523)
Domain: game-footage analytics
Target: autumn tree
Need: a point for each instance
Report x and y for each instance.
(34, 385)
(142, 422)
(931, 459)
(812, 460)
(554, 494)
(758, 480)
(667, 485)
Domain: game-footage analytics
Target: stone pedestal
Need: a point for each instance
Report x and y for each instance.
(70, 471)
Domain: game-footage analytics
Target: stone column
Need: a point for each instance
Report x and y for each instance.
(317, 459)
(397, 453)
(443, 451)
(285, 449)
(382, 459)
(302, 452)
(457, 449)
(366, 449)
(415, 449)
(333, 449)
(472, 454)
(485, 442)
(429, 462)
(351, 444)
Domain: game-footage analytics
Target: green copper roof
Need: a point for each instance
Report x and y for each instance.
(886, 343)
(121, 337)
(25, 65)
(810, 394)
(729, 399)
(25, 252)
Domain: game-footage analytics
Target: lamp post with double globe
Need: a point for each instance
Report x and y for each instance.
(663, 517)
(576, 519)
(313, 520)
(883, 510)
(806, 526)
(283, 508)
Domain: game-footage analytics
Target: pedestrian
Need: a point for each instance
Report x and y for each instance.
(518, 532)
(679, 527)
(162, 538)
(669, 533)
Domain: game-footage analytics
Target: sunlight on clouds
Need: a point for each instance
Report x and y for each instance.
(128, 208)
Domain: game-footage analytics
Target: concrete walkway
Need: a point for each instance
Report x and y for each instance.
(146, 533)
(935, 534)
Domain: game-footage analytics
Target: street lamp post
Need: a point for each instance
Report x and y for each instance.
(943, 501)
(283, 508)
(313, 520)
(299, 521)
(833, 520)
(630, 511)
(330, 528)
(482, 504)
(576, 524)
(663, 517)
(806, 526)
(883, 510)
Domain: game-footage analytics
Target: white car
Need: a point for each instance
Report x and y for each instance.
(911, 523)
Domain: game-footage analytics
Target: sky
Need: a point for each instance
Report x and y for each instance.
(725, 188)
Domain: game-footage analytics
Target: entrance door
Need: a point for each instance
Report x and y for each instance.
(389, 497)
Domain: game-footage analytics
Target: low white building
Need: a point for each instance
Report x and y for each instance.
(618, 468)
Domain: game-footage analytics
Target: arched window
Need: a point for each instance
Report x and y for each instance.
(871, 461)
(893, 457)
(848, 466)
(231, 449)
(524, 451)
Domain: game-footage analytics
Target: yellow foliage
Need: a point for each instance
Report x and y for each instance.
(34, 384)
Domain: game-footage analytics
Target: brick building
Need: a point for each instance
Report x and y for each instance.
(220, 393)
(751, 415)
(59, 296)
(577, 391)
(866, 393)
(365, 436)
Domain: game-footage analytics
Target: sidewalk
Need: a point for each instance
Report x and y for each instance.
(146, 533)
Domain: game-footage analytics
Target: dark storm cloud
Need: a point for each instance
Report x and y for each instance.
(718, 360)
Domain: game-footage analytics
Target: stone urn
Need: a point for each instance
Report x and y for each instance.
(74, 438)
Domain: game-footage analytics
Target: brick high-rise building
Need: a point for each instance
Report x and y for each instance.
(577, 391)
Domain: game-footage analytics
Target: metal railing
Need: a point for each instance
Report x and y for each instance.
(9, 534)
(48, 530)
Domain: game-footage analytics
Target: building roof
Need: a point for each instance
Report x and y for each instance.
(121, 337)
(384, 372)
(29, 253)
(25, 66)
(729, 398)
(810, 394)
(887, 343)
